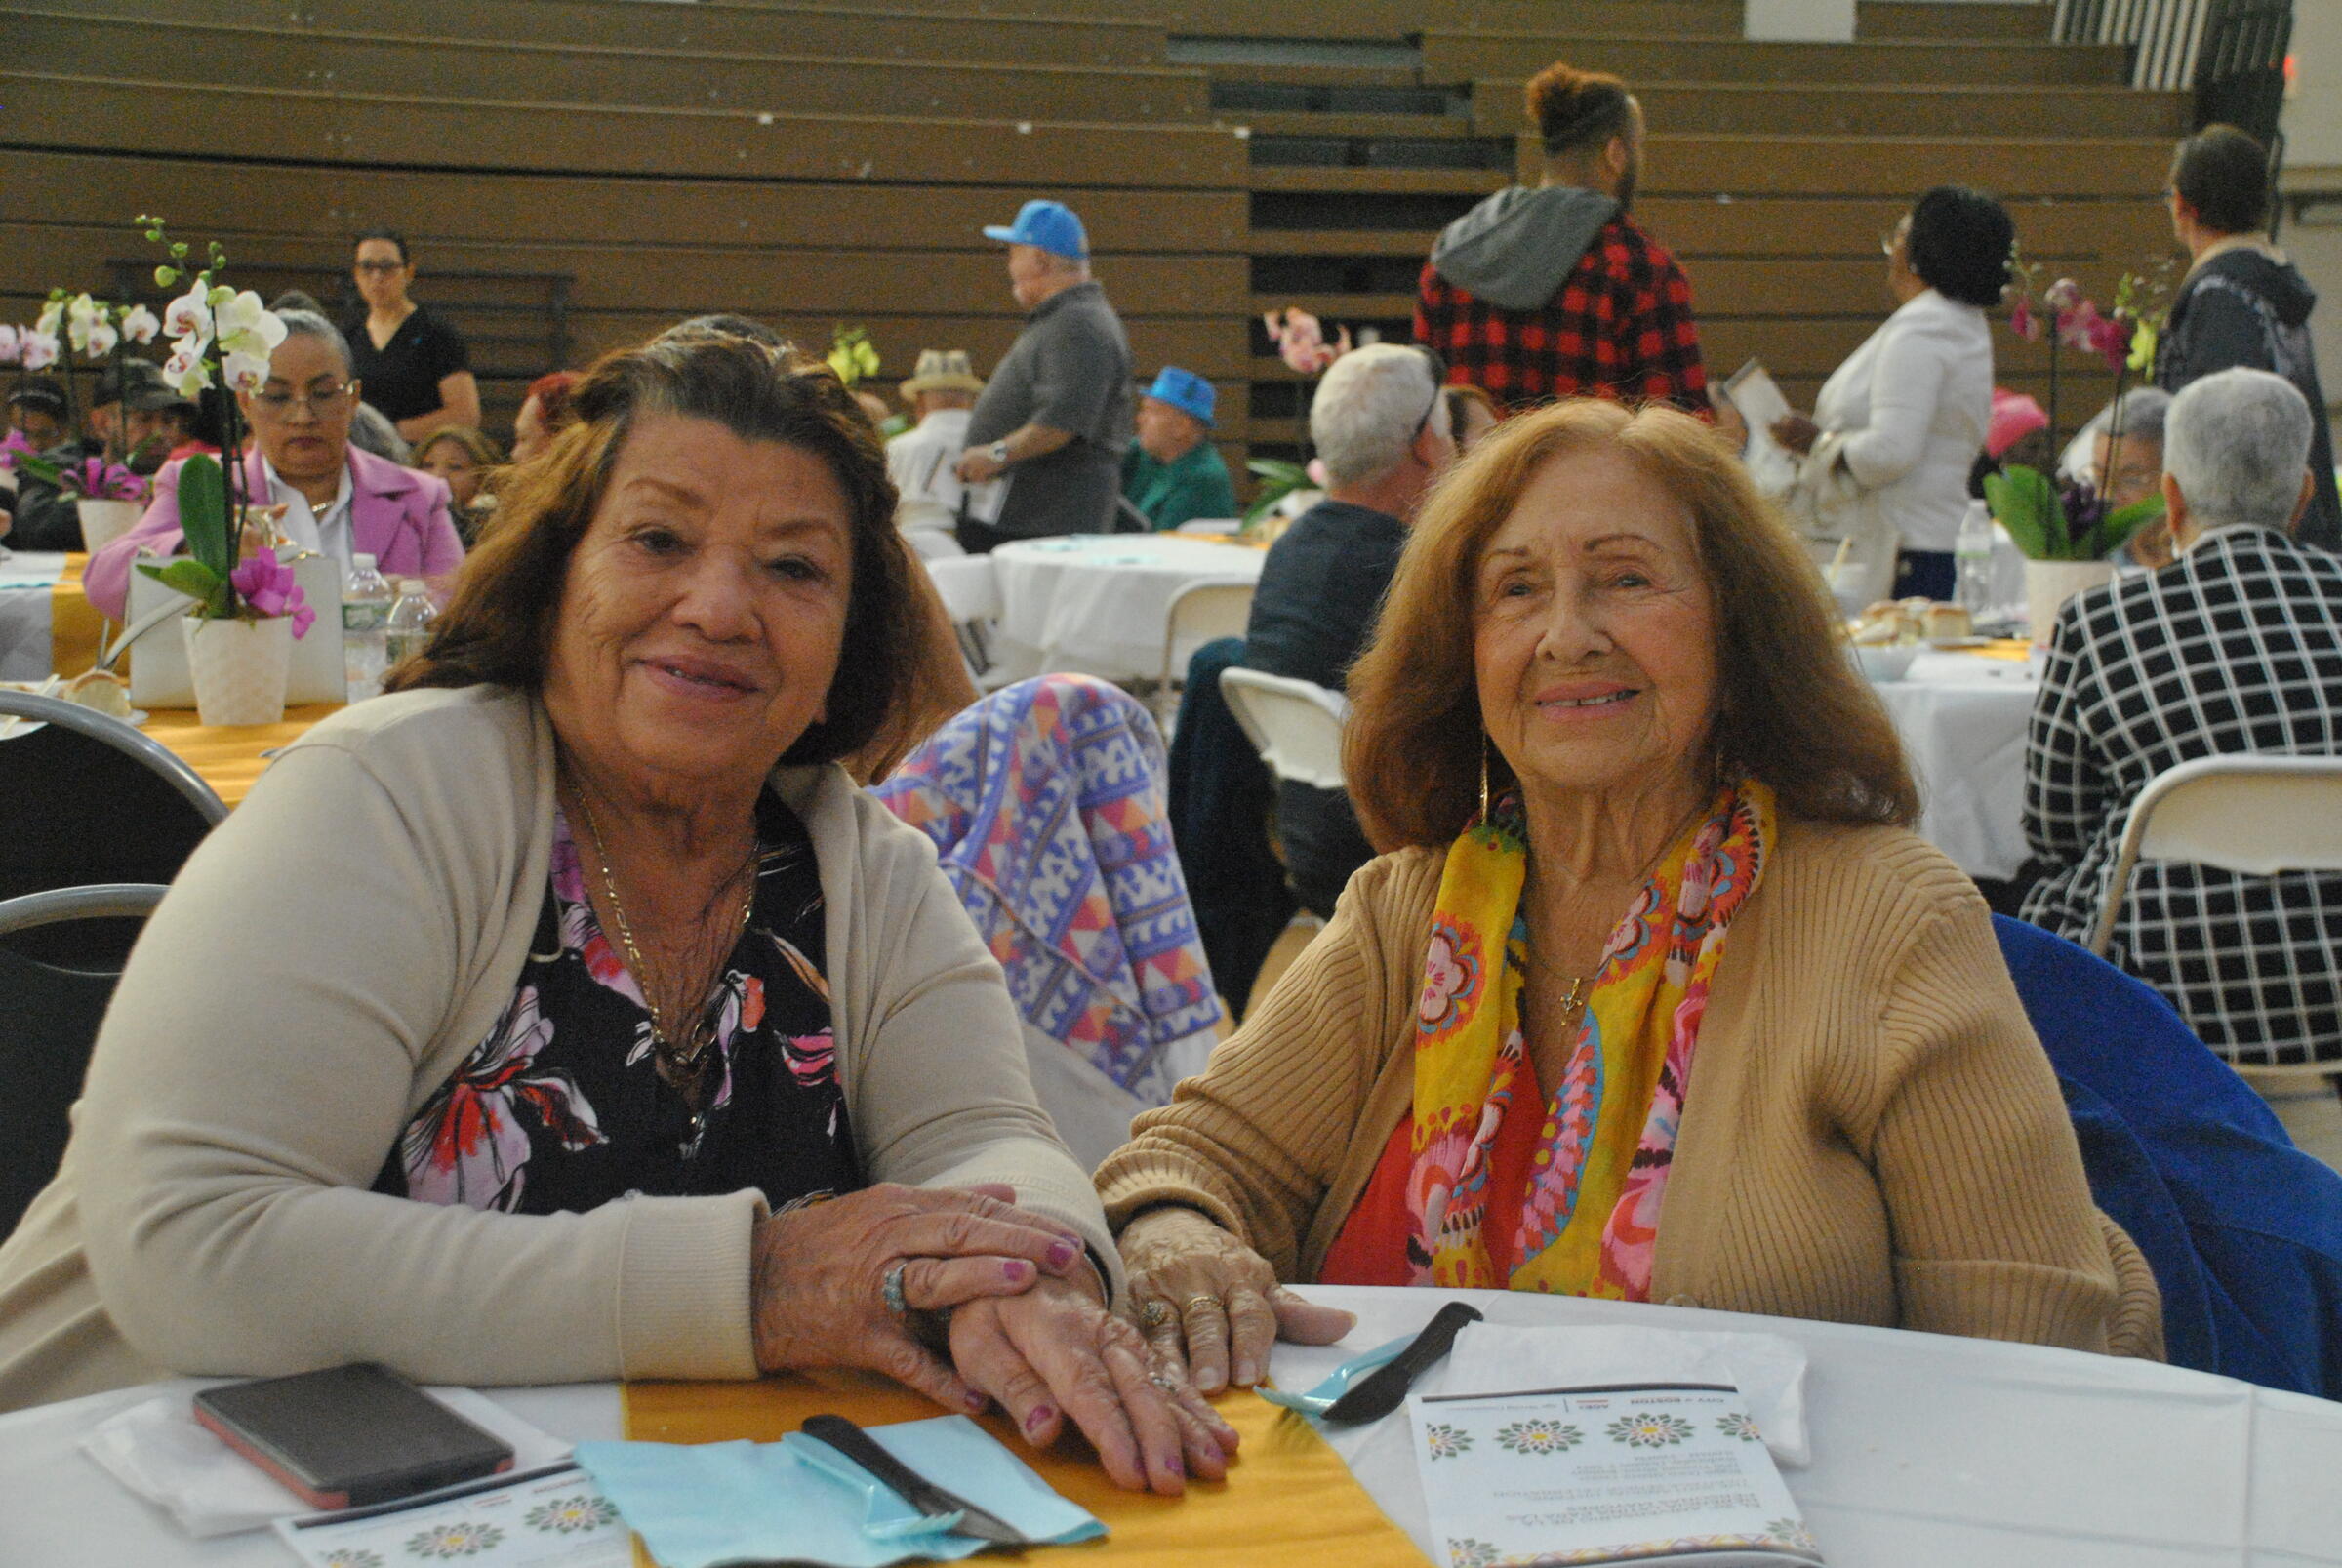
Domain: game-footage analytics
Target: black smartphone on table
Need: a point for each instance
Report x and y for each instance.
(346, 1437)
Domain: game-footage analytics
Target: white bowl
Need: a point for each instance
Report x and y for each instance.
(1889, 662)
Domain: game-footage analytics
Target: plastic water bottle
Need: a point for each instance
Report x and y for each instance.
(411, 615)
(365, 630)
(1972, 560)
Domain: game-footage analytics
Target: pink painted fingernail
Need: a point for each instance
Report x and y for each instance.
(1064, 1253)
(1016, 1270)
(976, 1403)
(1175, 1466)
(1043, 1416)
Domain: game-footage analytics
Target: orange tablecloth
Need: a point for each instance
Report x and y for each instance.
(228, 756)
(1288, 1500)
(75, 628)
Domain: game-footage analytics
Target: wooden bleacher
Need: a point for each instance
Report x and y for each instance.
(820, 164)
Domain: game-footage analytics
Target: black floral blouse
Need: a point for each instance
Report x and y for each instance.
(561, 1107)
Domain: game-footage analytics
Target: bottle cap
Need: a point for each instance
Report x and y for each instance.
(360, 561)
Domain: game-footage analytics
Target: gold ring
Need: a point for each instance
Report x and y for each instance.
(1200, 1300)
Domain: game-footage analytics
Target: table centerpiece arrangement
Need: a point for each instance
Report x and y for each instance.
(247, 612)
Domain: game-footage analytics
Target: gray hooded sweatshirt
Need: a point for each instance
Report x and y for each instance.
(1514, 249)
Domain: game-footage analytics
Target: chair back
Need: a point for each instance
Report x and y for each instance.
(2242, 1231)
(968, 586)
(159, 676)
(2259, 814)
(1296, 725)
(53, 1010)
(1199, 613)
(89, 799)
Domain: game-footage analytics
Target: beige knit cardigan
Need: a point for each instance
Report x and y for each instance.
(1872, 1132)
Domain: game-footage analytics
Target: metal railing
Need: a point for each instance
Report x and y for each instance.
(2231, 53)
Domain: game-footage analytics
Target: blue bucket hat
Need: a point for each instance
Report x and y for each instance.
(1186, 391)
(1049, 225)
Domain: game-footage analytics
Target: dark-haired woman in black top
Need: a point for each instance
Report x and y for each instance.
(412, 365)
(1897, 427)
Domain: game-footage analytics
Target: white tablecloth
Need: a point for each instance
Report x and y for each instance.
(1962, 721)
(1098, 603)
(1927, 1453)
(26, 581)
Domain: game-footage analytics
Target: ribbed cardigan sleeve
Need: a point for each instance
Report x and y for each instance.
(1256, 1140)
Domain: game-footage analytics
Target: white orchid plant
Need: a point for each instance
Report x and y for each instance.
(96, 331)
(220, 337)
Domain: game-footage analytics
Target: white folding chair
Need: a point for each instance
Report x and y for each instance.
(1198, 612)
(2259, 813)
(971, 593)
(1295, 725)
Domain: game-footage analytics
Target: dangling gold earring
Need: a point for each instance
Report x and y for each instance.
(1483, 779)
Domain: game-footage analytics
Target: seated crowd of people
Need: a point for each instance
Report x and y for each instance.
(685, 971)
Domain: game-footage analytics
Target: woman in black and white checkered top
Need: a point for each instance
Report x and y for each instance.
(2236, 646)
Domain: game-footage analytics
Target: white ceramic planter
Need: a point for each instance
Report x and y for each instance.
(105, 521)
(2048, 585)
(239, 668)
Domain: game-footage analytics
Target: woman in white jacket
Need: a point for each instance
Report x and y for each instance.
(1899, 422)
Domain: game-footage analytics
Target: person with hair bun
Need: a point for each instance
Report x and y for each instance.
(1553, 290)
(1896, 429)
(2243, 303)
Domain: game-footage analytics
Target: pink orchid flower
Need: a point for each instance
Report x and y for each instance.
(2063, 295)
(2110, 340)
(2025, 324)
(1300, 340)
(268, 585)
(14, 447)
(38, 349)
(2075, 326)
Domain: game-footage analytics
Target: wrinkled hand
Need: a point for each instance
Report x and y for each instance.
(976, 465)
(1797, 432)
(1055, 1352)
(1220, 1299)
(816, 1274)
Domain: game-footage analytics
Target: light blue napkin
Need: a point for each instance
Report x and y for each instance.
(800, 1500)
(1337, 1382)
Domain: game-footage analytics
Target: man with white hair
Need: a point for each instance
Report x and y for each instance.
(2234, 647)
(1381, 427)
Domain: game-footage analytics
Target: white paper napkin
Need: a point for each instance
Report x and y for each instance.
(158, 1451)
(1766, 1368)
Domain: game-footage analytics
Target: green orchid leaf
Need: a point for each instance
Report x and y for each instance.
(2023, 500)
(2124, 521)
(203, 512)
(193, 579)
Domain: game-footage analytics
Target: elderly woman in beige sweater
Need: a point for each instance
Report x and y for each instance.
(1656, 997)
(570, 1014)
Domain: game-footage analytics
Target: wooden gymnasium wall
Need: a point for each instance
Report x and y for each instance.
(575, 174)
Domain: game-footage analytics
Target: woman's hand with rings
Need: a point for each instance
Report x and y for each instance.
(824, 1279)
(1055, 1352)
(1203, 1294)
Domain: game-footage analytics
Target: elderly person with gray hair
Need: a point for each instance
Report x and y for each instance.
(2120, 454)
(2236, 646)
(1381, 427)
(337, 499)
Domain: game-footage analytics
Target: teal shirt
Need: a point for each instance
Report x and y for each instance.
(1173, 493)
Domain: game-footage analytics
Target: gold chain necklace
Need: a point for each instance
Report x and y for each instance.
(679, 1065)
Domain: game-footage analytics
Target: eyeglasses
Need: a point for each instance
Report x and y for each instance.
(1438, 369)
(317, 400)
(1893, 237)
(379, 266)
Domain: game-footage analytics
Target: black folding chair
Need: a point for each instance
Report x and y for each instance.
(87, 799)
(52, 1011)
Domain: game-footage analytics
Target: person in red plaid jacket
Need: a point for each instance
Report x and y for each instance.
(1554, 291)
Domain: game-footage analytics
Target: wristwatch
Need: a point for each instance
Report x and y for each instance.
(999, 451)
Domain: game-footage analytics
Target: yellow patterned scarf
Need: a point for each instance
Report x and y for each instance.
(1603, 1151)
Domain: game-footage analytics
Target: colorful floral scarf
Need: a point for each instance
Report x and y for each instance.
(1609, 1131)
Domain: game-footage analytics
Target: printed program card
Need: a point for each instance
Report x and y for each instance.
(1646, 1473)
(550, 1519)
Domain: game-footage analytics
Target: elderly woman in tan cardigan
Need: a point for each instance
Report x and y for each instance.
(1656, 997)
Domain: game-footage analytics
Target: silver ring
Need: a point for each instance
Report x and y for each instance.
(1165, 1381)
(1155, 1311)
(890, 1290)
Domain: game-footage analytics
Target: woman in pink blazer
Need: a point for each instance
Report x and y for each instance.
(300, 429)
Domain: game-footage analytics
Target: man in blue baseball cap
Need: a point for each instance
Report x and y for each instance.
(1173, 473)
(1055, 419)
